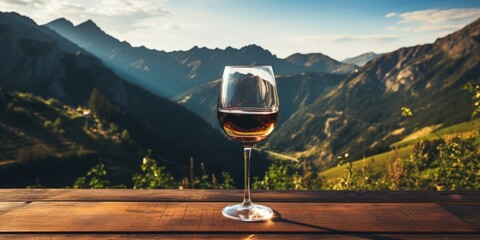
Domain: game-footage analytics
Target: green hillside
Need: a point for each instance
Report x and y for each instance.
(360, 114)
(41, 66)
(43, 141)
(378, 163)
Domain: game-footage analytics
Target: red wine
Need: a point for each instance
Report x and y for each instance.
(247, 125)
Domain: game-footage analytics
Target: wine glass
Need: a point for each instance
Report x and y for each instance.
(247, 111)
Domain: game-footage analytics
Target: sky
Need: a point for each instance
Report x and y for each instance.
(337, 28)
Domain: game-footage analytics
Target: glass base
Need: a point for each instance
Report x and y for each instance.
(255, 213)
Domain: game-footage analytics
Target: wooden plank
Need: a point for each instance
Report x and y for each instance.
(245, 236)
(469, 213)
(9, 206)
(188, 195)
(205, 217)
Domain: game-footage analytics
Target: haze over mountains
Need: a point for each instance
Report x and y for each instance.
(172, 73)
(295, 91)
(361, 59)
(323, 115)
(327, 107)
(36, 59)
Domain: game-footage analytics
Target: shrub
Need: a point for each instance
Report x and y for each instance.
(152, 175)
(95, 178)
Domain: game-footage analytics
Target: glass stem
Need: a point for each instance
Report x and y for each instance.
(247, 202)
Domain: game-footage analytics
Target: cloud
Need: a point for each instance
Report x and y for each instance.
(440, 16)
(155, 24)
(110, 15)
(24, 2)
(425, 28)
(433, 20)
(81, 10)
(437, 28)
(68, 8)
(127, 7)
(392, 14)
(108, 8)
(374, 38)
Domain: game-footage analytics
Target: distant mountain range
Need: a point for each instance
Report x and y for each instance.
(356, 106)
(323, 115)
(361, 59)
(172, 73)
(362, 116)
(318, 62)
(36, 59)
(326, 107)
(295, 92)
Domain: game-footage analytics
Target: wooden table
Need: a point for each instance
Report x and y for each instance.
(196, 214)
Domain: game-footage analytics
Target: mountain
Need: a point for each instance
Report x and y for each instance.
(28, 29)
(43, 141)
(207, 64)
(362, 115)
(172, 73)
(151, 69)
(318, 62)
(361, 59)
(39, 66)
(295, 92)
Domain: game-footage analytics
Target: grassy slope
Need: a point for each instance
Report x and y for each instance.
(278, 156)
(35, 148)
(27, 146)
(379, 161)
(32, 150)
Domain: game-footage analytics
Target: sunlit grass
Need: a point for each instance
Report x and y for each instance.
(463, 130)
(279, 156)
(378, 162)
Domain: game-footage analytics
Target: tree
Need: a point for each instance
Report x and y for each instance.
(100, 105)
(125, 135)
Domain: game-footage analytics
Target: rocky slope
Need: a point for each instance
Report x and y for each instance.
(361, 59)
(320, 63)
(362, 114)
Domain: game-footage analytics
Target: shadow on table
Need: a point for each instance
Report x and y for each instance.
(278, 218)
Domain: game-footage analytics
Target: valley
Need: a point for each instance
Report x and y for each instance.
(143, 100)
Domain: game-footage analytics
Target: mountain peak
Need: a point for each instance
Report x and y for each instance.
(17, 17)
(307, 56)
(252, 47)
(256, 50)
(320, 62)
(61, 22)
(462, 42)
(361, 59)
(89, 24)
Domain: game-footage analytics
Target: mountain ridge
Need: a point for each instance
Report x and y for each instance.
(39, 66)
(320, 62)
(361, 114)
(361, 59)
(171, 73)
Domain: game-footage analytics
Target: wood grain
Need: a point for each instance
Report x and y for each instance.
(246, 236)
(9, 206)
(469, 213)
(175, 195)
(205, 217)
